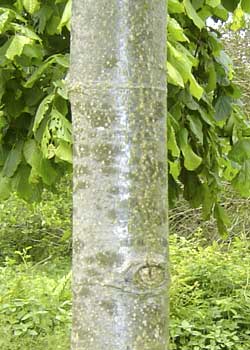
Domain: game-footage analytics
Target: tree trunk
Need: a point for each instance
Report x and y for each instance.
(118, 95)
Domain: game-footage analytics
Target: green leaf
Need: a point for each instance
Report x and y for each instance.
(174, 6)
(230, 5)
(223, 107)
(3, 154)
(208, 201)
(172, 144)
(192, 14)
(221, 12)
(191, 160)
(213, 3)
(52, 25)
(31, 6)
(65, 20)
(13, 160)
(16, 46)
(245, 5)
(238, 20)
(222, 220)
(174, 168)
(240, 151)
(60, 127)
(242, 181)
(212, 78)
(180, 62)
(47, 172)
(5, 187)
(42, 110)
(39, 72)
(64, 151)
(62, 60)
(196, 126)
(173, 75)
(20, 28)
(195, 89)
(4, 20)
(192, 189)
(40, 166)
(175, 31)
(23, 187)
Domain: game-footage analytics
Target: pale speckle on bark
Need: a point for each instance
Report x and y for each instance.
(118, 95)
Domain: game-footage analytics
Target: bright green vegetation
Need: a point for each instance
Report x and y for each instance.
(35, 306)
(210, 288)
(209, 300)
(210, 295)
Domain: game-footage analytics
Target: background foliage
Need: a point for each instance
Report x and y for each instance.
(208, 134)
(210, 288)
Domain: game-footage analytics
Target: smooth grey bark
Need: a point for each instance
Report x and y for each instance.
(118, 96)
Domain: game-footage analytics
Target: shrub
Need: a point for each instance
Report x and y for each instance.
(45, 226)
(35, 307)
(210, 294)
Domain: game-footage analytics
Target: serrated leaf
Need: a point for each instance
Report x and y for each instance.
(192, 14)
(191, 160)
(16, 46)
(13, 160)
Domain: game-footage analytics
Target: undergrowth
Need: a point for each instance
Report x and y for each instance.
(210, 296)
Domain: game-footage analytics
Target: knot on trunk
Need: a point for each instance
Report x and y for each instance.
(150, 275)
